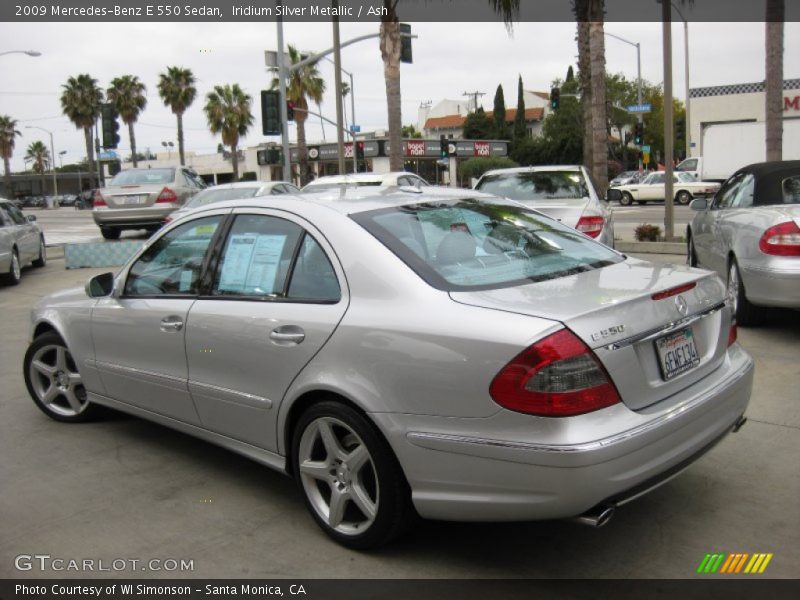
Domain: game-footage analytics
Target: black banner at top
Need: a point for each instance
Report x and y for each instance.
(372, 10)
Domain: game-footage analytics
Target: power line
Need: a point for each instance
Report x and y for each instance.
(474, 96)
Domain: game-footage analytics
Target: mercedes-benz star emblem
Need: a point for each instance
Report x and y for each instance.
(680, 304)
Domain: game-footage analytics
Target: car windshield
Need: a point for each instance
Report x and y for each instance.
(472, 244)
(219, 195)
(537, 185)
(143, 177)
(685, 177)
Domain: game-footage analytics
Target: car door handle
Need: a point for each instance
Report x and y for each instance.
(171, 324)
(287, 335)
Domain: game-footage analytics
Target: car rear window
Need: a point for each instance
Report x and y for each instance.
(321, 187)
(791, 190)
(538, 185)
(143, 177)
(211, 196)
(473, 244)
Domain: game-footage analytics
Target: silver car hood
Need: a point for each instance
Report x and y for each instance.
(596, 301)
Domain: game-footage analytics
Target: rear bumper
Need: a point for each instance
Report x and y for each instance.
(775, 284)
(131, 217)
(490, 470)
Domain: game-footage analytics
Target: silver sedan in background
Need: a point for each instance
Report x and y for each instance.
(452, 354)
(565, 193)
(750, 235)
(21, 242)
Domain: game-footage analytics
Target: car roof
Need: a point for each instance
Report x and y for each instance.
(778, 167)
(534, 169)
(356, 177)
(245, 185)
(769, 178)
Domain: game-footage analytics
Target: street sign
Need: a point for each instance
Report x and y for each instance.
(107, 155)
(646, 149)
(639, 108)
(646, 158)
(355, 128)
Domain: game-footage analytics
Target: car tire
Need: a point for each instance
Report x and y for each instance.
(110, 233)
(691, 253)
(53, 380)
(626, 199)
(746, 313)
(338, 453)
(683, 197)
(42, 260)
(14, 274)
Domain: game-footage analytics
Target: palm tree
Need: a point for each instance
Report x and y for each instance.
(599, 122)
(127, 94)
(8, 134)
(38, 155)
(80, 102)
(776, 12)
(177, 90)
(390, 53)
(305, 84)
(228, 111)
(581, 10)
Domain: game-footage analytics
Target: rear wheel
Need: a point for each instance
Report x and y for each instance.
(626, 199)
(14, 273)
(42, 260)
(683, 197)
(745, 312)
(351, 481)
(53, 380)
(691, 254)
(110, 233)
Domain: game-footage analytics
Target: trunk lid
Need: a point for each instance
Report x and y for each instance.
(567, 211)
(613, 311)
(131, 196)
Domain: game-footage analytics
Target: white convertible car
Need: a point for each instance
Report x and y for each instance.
(652, 186)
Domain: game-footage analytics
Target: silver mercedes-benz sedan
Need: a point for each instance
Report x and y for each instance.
(750, 235)
(565, 193)
(21, 242)
(438, 352)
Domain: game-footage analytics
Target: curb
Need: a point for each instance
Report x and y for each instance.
(55, 252)
(651, 247)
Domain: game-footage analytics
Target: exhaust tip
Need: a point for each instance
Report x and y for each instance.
(597, 517)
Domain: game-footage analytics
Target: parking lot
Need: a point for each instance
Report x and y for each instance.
(126, 488)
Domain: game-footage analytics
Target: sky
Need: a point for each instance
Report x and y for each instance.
(449, 59)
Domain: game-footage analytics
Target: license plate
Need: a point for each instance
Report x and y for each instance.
(677, 353)
(132, 200)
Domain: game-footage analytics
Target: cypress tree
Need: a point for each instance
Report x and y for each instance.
(520, 130)
(499, 114)
(570, 74)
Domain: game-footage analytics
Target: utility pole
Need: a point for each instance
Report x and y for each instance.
(669, 212)
(287, 166)
(337, 62)
(474, 96)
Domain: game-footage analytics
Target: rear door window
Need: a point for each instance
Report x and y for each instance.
(791, 190)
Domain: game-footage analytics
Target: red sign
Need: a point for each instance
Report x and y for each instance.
(483, 149)
(415, 148)
(348, 150)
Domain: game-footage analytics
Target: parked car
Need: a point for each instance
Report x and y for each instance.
(394, 178)
(142, 198)
(444, 352)
(626, 178)
(21, 242)
(67, 200)
(232, 191)
(565, 193)
(750, 235)
(653, 186)
(85, 200)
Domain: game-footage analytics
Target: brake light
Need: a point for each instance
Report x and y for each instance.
(558, 376)
(733, 333)
(591, 226)
(167, 195)
(674, 291)
(781, 240)
(98, 200)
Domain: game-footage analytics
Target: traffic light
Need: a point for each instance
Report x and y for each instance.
(274, 155)
(555, 98)
(638, 134)
(359, 150)
(270, 112)
(405, 44)
(289, 110)
(444, 151)
(109, 116)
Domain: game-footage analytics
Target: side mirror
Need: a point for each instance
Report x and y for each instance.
(31, 218)
(100, 286)
(699, 204)
(613, 195)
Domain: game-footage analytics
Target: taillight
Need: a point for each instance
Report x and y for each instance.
(98, 200)
(591, 226)
(781, 240)
(167, 195)
(674, 291)
(732, 333)
(558, 376)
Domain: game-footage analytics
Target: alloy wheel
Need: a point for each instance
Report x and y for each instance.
(56, 382)
(733, 287)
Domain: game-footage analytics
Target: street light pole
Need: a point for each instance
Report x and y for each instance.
(352, 113)
(337, 59)
(669, 212)
(52, 156)
(287, 167)
(638, 47)
(686, 77)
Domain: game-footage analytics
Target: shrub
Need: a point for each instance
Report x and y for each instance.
(647, 233)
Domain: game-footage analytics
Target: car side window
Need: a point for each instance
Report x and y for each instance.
(791, 190)
(743, 196)
(727, 193)
(257, 256)
(419, 182)
(173, 264)
(5, 218)
(277, 190)
(16, 214)
(313, 277)
(658, 178)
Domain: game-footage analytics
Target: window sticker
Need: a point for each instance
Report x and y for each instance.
(187, 278)
(251, 263)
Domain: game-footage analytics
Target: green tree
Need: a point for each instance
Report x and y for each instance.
(410, 131)
(228, 111)
(80, 102)
(128, 95)
(499, 115)
(38, 154)
(620, 93)
(305, 84)
(570, 75)
(8, 137)
(520, 127)
(473, 168)
(478, 126)
(177, 90)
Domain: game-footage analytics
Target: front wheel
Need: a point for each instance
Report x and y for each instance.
(683, 198)
(14, 274)
(42, 260)
(351, 481)
(626, 199)
(745, 312)
(109, 233)
(53, 380)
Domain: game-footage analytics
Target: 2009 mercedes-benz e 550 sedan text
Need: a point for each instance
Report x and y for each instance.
(447, 353)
